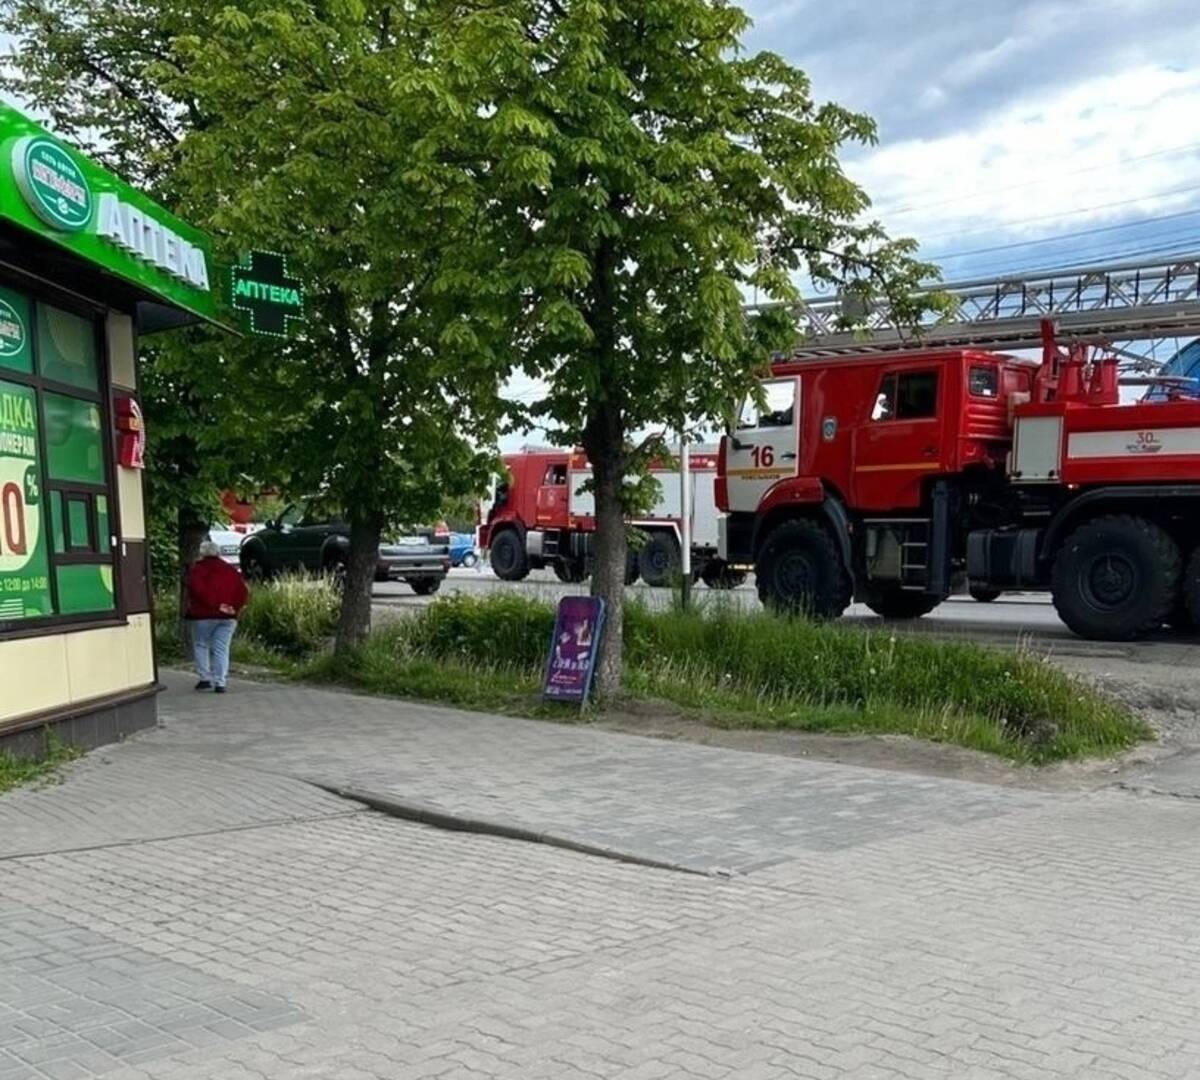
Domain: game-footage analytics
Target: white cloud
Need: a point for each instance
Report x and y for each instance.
(1041, 162)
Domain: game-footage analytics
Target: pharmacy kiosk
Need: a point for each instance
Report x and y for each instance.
(88, 264)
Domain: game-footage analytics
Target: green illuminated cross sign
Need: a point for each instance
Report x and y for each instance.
(262, 289)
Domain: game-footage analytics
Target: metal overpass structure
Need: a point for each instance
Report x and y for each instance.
(1117, 304)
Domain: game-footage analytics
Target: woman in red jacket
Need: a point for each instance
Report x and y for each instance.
(216, 594)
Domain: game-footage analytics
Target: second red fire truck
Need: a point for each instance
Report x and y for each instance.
(543, 516)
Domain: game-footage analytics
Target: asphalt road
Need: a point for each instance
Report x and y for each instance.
(1026, 618)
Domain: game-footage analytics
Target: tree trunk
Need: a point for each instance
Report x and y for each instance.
(605, 448)
(190, 533)
(354, 621)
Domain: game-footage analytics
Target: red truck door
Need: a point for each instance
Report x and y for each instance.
(553, 498)
(901, 441)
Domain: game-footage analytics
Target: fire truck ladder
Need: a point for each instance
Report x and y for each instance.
(1119, 302)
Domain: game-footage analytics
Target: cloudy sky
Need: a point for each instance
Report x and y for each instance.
(1014, 135)
(1005, 125)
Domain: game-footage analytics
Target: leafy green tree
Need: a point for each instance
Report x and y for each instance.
(650, 176)
(333, 133)
(91, 70)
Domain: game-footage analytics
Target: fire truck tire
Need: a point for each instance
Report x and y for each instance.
(509, 559)
(899, 604)
(659, 559)
(718, 574)
(1116, 578)
(1191, 594)
(570, 571)
(799, 570)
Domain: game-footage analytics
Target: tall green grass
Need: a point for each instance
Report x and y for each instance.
(731, 668)
(758, 670)
(291, 614)
(292, 617)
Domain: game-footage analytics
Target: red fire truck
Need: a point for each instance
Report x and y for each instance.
(897, 478)
(541, 515)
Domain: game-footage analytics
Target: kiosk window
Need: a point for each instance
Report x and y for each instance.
(55, 548)
(67, 350)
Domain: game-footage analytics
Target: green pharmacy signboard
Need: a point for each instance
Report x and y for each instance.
(49, 189)
(267, 297)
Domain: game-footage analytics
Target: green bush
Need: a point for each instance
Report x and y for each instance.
(761, 670)
(292, 615)
(500, 630)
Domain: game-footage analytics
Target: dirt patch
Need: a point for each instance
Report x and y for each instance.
(662, 720)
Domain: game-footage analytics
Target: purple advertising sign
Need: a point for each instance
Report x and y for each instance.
(573, 648)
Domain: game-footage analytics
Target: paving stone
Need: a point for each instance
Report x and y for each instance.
(230, 927)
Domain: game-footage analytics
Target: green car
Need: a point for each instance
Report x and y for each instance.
(308, 538)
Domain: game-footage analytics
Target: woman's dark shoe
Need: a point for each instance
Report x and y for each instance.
(204, 684)
(218, 689)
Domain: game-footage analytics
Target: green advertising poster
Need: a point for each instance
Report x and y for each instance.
(15, 353)
(24, 562)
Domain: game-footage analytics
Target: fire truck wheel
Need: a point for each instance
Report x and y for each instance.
(658, 560)
(1191, 593)
(718, 574)
(509, 559)
(799, 571)
(570, 571)
(1116, 578)
(899, 604)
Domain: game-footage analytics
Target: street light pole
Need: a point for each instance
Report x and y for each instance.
(685, 520)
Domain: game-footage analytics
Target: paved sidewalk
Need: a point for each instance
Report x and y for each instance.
(187, 906)
(696, 806)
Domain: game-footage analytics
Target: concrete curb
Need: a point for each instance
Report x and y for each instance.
(442, 819)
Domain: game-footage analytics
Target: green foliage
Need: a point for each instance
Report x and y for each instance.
(353, 159)
(292, 615)
(649, 175)
(506, 630)
(15, 771)
(1016, 704)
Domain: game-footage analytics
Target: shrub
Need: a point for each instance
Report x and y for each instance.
(500, 630)
(773, 671)
(293, 615)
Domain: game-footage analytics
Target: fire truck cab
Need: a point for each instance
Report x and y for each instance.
(897, 478)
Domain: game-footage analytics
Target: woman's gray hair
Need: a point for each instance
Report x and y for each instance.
(209, 550)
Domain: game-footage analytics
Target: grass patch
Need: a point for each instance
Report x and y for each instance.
(285, 623)
(731, 668)
(15, 771)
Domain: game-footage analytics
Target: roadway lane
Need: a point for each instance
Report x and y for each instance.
(1010, 620)
(1026, 620)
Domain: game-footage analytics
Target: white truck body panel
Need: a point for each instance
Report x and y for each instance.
(705, 516)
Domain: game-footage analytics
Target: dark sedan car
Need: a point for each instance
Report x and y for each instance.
(306, 538)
